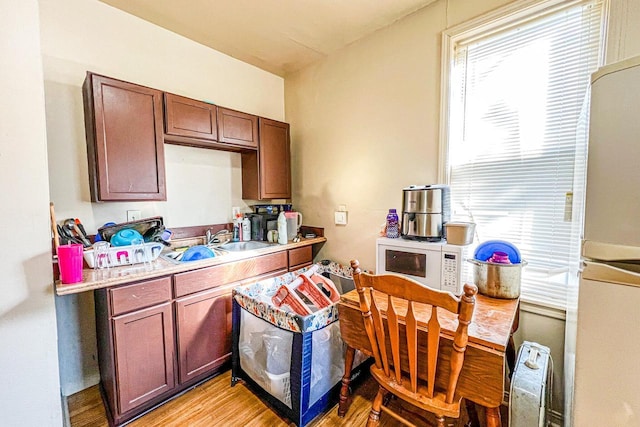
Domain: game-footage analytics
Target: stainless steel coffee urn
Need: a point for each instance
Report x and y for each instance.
(425, 209)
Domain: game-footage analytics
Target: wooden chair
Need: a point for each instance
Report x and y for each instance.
(391, 370)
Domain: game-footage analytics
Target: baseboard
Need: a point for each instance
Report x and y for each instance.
(64, 403)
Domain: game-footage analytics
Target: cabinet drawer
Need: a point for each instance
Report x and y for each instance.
(139, 295)
(206, 278)
(300, 256)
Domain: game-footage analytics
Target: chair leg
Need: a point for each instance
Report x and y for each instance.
(374, 414)
(387, 398)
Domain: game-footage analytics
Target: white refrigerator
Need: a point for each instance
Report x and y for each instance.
(602, 388)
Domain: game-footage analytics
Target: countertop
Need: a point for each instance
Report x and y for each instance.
(97, 279)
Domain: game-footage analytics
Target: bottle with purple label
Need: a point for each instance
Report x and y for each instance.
(392, 224)
(499, 258)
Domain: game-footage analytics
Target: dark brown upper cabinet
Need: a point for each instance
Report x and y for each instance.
(235, 127)
(125, 152)
(266, 174)
(190, 118)
(190, 122)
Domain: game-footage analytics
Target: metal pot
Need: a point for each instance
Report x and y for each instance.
(497, 280)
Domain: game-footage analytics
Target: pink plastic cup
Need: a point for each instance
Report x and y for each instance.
(70, 263)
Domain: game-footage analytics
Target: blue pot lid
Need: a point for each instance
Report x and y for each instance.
(485, 250)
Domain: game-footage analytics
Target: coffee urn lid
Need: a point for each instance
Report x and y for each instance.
(424, 187)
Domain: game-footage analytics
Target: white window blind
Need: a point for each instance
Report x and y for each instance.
(517, 108)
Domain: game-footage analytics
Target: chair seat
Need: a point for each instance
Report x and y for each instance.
(436, 405)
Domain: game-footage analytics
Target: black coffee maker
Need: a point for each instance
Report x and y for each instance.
(265, 218)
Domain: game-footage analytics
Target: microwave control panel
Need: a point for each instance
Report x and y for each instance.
(451, 269)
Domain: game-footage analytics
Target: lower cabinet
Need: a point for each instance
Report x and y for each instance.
(203, 323)
(158, 337)
(144, 360)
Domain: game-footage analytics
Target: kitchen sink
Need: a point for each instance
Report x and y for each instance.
(177, 255)
(244, 246)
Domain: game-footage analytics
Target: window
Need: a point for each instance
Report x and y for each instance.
(515, 110)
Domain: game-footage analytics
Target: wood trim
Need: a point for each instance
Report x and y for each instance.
(202, 143)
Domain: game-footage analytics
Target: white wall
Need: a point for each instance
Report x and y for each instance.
(202, 185)
(365, 124)
(623, 33)
(30, 391)
(80, 36)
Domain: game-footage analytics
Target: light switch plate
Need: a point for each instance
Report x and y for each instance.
(341, 218)
(133, 216)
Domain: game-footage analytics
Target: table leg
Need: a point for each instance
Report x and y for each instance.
(492, 417)
(511, 347)
(346, 380)
(472, 414)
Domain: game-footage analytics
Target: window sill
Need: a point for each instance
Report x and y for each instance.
(543, 310)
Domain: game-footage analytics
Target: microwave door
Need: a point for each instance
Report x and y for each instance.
(421, 265)
(406, 263)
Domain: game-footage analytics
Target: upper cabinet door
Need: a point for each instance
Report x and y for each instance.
(267, 173)
(123, 124)
(190, 118)
(237, 128)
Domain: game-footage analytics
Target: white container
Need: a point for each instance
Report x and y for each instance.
(460, 233)
(246, 229)
(282, 229)
(279, 386)
(294, 221)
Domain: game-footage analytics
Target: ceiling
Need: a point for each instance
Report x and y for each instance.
(279, 36)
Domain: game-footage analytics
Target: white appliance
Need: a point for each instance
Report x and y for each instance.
(530, 390)
(435, 264)
(606, 344)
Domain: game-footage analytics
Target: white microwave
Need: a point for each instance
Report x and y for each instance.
(435, 264)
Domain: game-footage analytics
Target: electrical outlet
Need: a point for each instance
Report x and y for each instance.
(341, 218)
(133, 216)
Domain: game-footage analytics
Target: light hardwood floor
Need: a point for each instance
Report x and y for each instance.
(216, 403)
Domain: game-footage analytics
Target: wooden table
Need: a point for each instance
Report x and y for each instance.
(490, 347)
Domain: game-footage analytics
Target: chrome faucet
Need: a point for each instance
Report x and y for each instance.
(213, 238)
